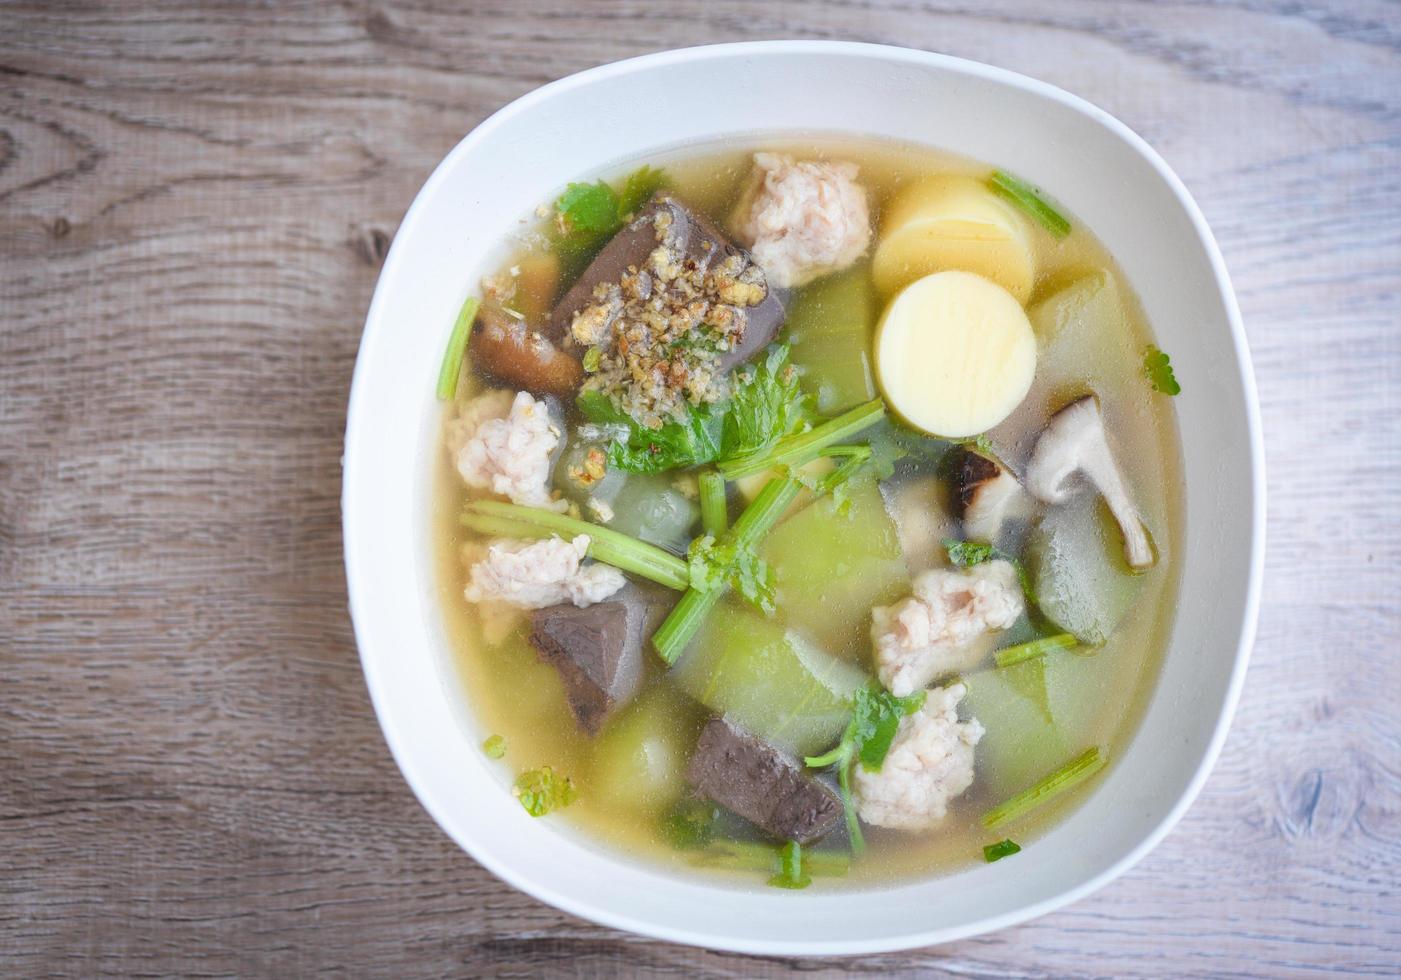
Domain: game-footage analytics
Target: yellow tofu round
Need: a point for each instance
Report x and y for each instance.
(955, 354)
(953, 222)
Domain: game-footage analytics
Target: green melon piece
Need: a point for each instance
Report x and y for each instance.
(1076, 559)
(830, 327)
(832, 568)
(640, 757)
(768, 679)
(1036, 715)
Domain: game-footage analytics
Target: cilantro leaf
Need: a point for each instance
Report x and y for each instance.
(715, 563)
(641, 184)
(675, 445)
(1003, 848)
(1157, 367)
(494, 746)
(588, 208)
(542, 790)
(587, 215)
(875, 720)
(877, 716)
(766, 404)
(965, 553)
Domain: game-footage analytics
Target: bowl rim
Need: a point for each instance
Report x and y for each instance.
(358, 597)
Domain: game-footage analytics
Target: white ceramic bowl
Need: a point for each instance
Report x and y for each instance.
(524, 154)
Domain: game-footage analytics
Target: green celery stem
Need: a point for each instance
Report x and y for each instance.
(807, 446)
(608, 546)
(686, 616)
(714, 517)
(1068, 776)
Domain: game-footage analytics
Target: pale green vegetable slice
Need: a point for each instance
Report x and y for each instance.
(830, 328)
(654, 509)
(1036, 714)
(768, 679)
(640, 757)
(832, 567)
(1077, 569)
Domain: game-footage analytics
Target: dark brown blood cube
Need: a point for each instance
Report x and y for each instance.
(598, 653)
(697, 239)
(762, 784)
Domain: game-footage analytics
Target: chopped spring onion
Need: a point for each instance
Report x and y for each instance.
(605, 545)
(1068, 776)
(457, 350)
(686, 616)
(1032, 649)
(795, 450)
(1003, 848)
(714, 517)
(790, 870)
(1024, 196)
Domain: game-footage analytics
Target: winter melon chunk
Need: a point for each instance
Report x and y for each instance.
(830, 328)
(768, 679)
(832, 567)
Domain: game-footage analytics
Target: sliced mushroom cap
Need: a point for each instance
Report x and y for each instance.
(1074, 442)
(514, 352)
(985, 494)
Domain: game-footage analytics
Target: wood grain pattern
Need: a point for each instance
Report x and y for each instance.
(194, 201)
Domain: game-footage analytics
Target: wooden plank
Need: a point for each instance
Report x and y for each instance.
(194, 201)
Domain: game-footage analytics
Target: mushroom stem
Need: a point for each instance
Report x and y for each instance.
(1074, 442)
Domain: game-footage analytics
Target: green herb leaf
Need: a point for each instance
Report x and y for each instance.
(875, 720)
(1026, 197)
(690, 825)
(877, 715)
(766, 404)
(589, 208)
(964, 553)
(803, 447)
(1068, 776)
(790, 873)
(593, 357)
(494, 746)
(675, 445)
(1157, 367)
(451, 368)
(543, 790)
(1003, 848)
(589, 214)
(716, 563)
(638, 189)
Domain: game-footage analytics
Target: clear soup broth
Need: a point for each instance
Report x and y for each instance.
(786, 676)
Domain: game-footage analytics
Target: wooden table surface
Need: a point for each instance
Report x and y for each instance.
(195, 198)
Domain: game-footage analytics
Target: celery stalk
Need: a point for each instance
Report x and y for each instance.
(795, 450)
(605, 545)
(1032, 649)
(714, 517)
(1068, 776)
(451, 368)
(686, 616)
